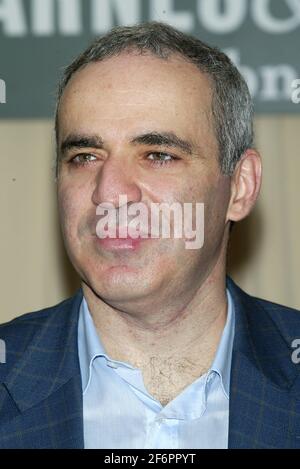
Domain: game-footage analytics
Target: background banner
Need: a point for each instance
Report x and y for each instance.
(40, 37)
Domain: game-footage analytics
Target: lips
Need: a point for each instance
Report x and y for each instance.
(123, 240)
(121, 243)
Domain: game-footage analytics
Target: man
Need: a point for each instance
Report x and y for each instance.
(158, 349)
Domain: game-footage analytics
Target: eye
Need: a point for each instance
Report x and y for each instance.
(161, 159)
(82, 159)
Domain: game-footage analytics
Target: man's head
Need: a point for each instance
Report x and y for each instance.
(160, 117)
(231, 102)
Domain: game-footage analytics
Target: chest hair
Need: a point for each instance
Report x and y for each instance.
(165, 379)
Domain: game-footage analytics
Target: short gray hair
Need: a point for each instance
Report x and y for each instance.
(232, 107)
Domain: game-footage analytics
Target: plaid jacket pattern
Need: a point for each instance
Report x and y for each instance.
(40, 383)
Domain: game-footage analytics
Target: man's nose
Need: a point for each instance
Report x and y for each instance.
(116, 178)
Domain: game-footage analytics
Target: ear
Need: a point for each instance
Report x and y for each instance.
(245, 185)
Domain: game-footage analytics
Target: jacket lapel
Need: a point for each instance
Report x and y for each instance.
(265, 387)
(42, 394)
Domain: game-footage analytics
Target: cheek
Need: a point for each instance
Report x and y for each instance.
(71, 208)
(216, 208)
(213, 191)
(66, 204)
(160, 188)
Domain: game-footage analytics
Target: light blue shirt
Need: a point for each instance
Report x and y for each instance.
(118, 411)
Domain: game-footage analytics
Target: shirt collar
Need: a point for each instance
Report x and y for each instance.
(222, 361)
(90, 347)
(89, 343)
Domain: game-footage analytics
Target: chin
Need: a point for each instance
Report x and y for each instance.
(120, 283)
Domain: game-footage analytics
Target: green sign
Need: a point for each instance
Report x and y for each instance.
(40, 37)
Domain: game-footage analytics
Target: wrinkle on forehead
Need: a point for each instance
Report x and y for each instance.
(132, 86)
(123, 72)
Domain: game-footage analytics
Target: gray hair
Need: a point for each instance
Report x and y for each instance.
(232, 107)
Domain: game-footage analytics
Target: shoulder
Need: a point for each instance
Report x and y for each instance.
(286, 319)
(263, 311)
(37, 328)
(34, 319)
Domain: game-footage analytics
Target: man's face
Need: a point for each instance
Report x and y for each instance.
(139, 126)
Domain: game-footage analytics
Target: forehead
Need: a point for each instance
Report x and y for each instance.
(132, 92)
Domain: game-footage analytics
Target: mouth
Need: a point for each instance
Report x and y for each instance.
(122, 244)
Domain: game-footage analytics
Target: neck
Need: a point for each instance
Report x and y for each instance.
(194, 329)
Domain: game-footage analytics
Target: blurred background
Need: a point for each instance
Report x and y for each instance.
(38, 38)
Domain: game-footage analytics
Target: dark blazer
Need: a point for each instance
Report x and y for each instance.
(40, 383)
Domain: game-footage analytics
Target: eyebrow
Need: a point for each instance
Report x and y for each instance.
(81, 141)
(167, 139)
